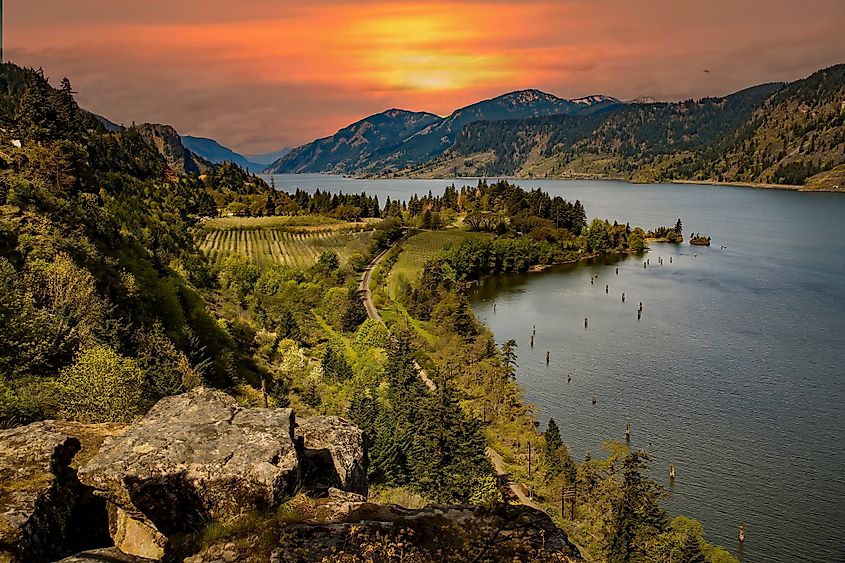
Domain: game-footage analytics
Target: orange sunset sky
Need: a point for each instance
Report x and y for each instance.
(258, 74)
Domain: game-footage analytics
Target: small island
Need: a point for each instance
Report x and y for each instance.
(667, 234)
(699, 240)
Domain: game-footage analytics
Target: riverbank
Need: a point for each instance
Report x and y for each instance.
(835, 188)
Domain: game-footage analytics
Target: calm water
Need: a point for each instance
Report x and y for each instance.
(734, 373)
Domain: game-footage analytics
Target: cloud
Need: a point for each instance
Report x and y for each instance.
(260, 74)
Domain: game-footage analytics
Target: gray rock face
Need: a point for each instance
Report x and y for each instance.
(333, 454)
(37, 491)
(193, 458)
(45, 512)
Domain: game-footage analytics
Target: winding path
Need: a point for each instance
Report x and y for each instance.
(372, 311)
(499, 467)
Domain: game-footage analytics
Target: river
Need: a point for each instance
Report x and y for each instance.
(735, 373)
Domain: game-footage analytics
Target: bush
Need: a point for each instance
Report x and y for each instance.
(101, 386)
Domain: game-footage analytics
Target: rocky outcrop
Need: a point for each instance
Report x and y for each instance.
(194, 458)
(338, 530)
(45, 512)
(168, 143)
(333, 454)
(151, 488)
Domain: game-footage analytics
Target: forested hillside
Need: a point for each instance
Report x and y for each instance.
(774, 133)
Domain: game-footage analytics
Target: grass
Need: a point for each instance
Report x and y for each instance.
(270, 240)
(418, 249)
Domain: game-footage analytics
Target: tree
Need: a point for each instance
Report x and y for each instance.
(101, 386)
(636, 516)
(636, 240)
(679, 227)
(509, 357)
(553, 439)
(335, 366)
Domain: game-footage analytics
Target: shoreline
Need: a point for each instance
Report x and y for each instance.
(753, 185)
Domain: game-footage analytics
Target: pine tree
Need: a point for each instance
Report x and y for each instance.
(509, 357)
(637, 515)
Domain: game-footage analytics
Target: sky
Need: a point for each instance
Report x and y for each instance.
(258, 75)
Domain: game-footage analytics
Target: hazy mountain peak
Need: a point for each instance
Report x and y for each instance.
(595, 99)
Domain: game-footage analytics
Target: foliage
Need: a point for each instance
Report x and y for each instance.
(101, 386)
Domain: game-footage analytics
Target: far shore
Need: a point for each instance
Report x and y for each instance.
(755, 185)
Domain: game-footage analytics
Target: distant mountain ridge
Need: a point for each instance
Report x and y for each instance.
(216, 153)
(784, 134)
(266, 159)
(351, 148)
(424, 136)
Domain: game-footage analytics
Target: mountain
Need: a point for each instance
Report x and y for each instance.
(351, 148)
(435, 139)
(216, 153)
(428, 138)
(169, 144)
(772, 133)
(269, 158)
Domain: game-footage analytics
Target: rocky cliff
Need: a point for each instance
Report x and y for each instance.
(200, 478)
(169, 144)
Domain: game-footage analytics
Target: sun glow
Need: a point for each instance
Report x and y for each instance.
(414, 48)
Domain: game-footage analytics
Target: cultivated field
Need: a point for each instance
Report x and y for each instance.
(293, 241)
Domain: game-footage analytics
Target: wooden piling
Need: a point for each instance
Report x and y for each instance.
(607, 288)
(623, 297)
(585, 322)
(547, 357)
(742, 534)
(617, 271)
(532, 340)
(628, 431)
(639, 314)
(569, 378)
(670, 259)
(594, 400)
(672, 472)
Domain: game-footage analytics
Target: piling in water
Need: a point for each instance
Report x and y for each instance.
(623, 297)
(639, 314)
(532, 340)
(617, 271)
(607, 288)
(742, 534)
(628, 431)
(585, 322)
(671, 471)
(547, 357)
(670, 259)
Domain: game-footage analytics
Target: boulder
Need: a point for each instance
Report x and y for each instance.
(194, 458)
(333, 455)
(45, 512)
(37, 491)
